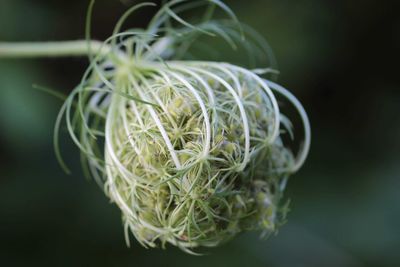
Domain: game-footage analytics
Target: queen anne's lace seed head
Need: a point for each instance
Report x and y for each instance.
(190, 151)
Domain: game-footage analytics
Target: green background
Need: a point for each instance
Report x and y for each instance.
(338, 57)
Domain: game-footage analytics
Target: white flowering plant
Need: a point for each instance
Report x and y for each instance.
(192, 152)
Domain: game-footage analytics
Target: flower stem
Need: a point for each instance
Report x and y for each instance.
(49, 49)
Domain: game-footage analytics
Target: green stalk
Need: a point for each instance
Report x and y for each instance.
(49, 49)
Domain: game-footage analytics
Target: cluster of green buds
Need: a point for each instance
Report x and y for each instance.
(190, 151)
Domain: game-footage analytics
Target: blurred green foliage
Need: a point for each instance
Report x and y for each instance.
(336, 56)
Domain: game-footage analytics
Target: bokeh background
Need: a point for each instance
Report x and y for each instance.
(338, 57)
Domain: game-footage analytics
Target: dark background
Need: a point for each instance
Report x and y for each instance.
(340, 59)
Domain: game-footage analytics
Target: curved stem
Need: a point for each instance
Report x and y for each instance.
(49, 49)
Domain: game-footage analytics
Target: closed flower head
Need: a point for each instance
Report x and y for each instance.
(192, 152)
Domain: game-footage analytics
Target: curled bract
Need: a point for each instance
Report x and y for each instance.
(192, 152)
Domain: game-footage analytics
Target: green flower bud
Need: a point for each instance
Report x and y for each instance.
(193, 152)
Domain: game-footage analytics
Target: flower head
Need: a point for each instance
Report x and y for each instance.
(190, 151)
